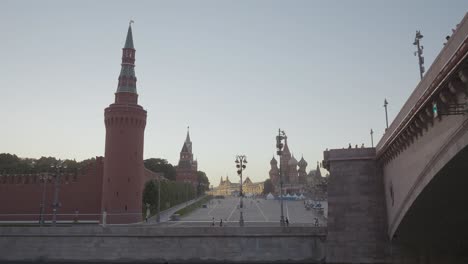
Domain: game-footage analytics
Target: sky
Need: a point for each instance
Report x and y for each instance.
(234, 71)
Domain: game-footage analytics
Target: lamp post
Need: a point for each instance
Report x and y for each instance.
(386, 114)
(59, 165)
(45, 178)
(419, 52)
(279, 150)
(241, 160)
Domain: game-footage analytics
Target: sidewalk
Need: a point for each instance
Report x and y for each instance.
(166, 214)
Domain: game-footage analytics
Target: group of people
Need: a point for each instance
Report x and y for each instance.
(349, 146)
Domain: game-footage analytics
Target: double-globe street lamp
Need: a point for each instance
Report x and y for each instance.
(241, 160)
(58, 166)
(44, 177)
(279, 150)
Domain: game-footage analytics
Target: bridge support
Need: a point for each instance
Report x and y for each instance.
(356, 207)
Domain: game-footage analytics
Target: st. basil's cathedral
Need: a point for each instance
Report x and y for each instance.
(293, 172)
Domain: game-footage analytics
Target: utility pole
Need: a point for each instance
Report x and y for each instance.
(419, 52)
(372, 137)
(386, 114)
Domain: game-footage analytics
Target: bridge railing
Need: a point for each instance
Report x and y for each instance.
(427, 86)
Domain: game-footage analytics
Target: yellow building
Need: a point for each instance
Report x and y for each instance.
(248, 187)
(227, 188)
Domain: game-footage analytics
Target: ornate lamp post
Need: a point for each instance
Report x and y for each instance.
(241, 160)
(279, 150)
(59, 165)
(45, 178)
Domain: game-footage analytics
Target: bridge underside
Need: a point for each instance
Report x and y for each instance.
(438, 219)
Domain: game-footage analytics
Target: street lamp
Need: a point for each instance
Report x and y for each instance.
(419, 52)
(59, 165)
(241, 160)
(279, 150)
(45, 178)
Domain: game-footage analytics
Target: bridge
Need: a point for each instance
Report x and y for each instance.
(428, 140)
(417, 172)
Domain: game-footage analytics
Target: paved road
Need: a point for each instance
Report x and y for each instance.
(257, 212)
(166, 214)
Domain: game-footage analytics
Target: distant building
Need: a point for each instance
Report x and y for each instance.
(226, 187)
(186, 170)
(250, 187)
(316, 183)
(294, 178)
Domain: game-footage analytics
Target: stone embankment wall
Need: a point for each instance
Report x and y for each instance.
(135, 244)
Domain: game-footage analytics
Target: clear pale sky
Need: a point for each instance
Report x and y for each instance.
(234, 71)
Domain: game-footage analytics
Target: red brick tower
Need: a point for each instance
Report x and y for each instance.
(125, 122)
(186, 170)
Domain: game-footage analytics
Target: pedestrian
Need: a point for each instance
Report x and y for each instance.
(316, 222)
(287, 221)
(213, 224)
(221, 222)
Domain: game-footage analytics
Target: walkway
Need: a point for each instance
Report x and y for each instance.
(166, 214)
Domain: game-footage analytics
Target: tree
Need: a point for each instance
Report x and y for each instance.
(150, 196)
(13, 164)
(161, 166)
(203, 183)
(267, 186)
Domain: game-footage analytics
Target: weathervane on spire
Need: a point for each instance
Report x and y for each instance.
(130, 23)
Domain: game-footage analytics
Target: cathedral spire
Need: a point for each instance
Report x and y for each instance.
(127, 78)
(286, 148)
(317, 172)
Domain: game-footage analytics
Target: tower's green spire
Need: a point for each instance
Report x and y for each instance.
(127, 78)
(129, 41)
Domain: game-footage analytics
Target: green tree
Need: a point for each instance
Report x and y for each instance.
(172, 193)
(44, 164)
(8, 163)
(150, 196)
(268, 186)
(162, 166)
(203, 184)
